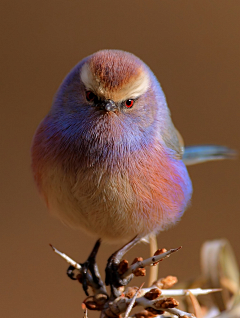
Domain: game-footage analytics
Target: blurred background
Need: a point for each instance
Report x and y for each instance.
(193, 47)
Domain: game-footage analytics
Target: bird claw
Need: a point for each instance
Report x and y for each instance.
(91, 266)
(70, 272)
(113, 278)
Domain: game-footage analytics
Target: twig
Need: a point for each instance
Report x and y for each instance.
(132, 302)
(179, 313)
(184, 292)
(149, 261)
(142, 301)
(84, 308)
(75, 265)
(67, 258)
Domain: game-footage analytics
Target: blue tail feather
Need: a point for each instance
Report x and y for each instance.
(202, 153)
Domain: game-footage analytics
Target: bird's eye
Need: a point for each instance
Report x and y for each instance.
(129, 103)
(90, 96)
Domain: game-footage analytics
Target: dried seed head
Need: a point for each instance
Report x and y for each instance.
(95, 302)
(91, 305)
(158, 252)
(110, 314)
(121, 289)
(144, 314)
(166, 303)
(166, 282)
(140, 272)
(118, 306)
(100, 299)
(153, 294)
(137, 259)
(123, 267)
(130, 291)
(154, 311)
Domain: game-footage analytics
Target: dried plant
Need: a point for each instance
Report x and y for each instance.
(160, 299)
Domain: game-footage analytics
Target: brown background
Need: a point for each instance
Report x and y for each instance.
(194, 49)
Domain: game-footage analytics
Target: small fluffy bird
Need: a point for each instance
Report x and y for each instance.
(107, 158)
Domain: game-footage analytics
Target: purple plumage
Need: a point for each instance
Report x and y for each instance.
(107, 157)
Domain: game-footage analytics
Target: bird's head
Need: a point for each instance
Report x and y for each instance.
(114, 80)
(112, 88)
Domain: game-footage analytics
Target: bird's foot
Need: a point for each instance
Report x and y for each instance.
(91, 266)
(113, 277)
(89, 273)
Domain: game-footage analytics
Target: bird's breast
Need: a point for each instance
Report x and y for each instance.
(114, 188)
(143, 192)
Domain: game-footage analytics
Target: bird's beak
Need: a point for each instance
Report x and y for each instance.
(109, 105)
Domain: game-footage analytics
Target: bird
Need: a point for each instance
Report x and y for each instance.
(107, 157)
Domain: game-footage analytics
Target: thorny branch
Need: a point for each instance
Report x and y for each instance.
(156, 300)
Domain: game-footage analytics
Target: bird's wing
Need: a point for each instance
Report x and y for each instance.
(173, 139)
(194, 154)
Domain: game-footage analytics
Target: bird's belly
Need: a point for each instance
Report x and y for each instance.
(121, 203)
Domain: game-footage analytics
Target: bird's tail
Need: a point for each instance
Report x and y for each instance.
(198, 154)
